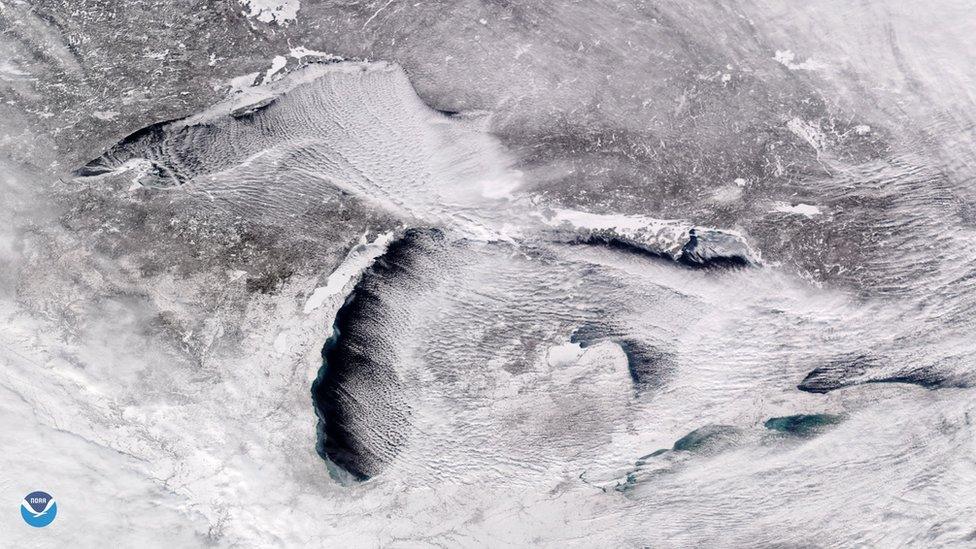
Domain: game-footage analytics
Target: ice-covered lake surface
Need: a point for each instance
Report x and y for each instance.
(396, 274)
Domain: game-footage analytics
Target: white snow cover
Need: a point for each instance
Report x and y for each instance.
(807, 131)
(151, 454)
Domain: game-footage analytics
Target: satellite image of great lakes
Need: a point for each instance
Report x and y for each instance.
(481, 273)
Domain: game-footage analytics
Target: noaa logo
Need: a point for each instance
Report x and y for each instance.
(38, 509)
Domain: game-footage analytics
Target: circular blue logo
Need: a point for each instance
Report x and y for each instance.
(38, 509)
